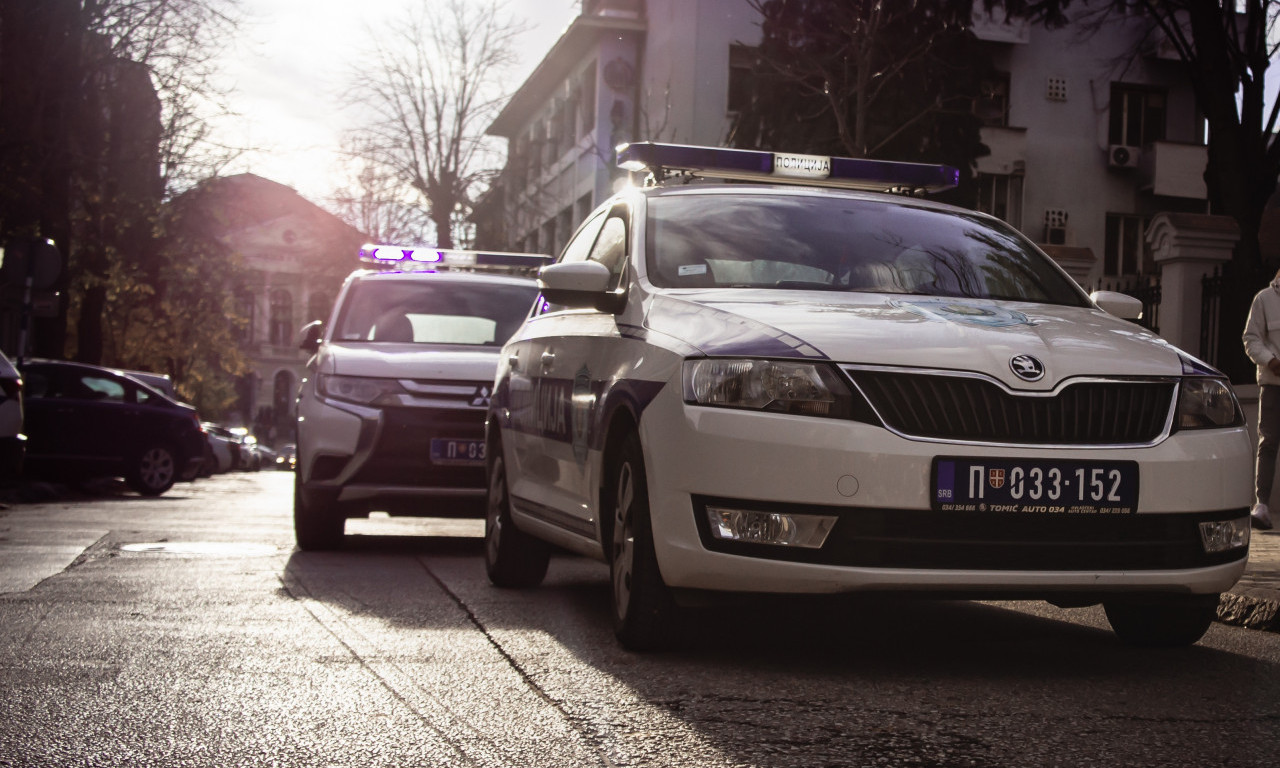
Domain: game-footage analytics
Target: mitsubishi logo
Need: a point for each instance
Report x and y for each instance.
(1027, 367)
(481, 398)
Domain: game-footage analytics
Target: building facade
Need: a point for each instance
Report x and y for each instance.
(1091, 133)
(294, 256)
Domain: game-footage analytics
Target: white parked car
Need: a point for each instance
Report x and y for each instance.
(391, 416)
(813, 388)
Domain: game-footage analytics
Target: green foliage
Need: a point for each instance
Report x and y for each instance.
(174, 314)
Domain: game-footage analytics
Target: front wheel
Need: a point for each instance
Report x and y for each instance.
(643, 610)
(1162, 620)
(512, 558)
(154, 470)
(317, 523)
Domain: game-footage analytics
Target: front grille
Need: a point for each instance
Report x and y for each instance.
(402, 455)
(921, 539)
(960, 408)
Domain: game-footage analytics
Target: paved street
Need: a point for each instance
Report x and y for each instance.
(185, 631)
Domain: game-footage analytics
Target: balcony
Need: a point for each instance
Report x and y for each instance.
(1008, 151)
(1171, 169)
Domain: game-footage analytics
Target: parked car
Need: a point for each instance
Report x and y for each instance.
(802, 384)
(86, 421)
(222, 449)
(247, 450)
(287, 457)
(13, 443)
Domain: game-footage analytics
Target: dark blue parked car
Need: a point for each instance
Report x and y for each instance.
(85, 421)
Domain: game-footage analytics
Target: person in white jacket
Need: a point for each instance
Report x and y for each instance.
(1262, 344)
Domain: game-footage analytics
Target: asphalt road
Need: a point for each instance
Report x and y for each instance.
(185, 631)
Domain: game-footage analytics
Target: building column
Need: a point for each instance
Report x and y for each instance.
(1187, 246)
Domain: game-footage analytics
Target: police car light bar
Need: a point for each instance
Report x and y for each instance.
(419, 257)
(778, 167)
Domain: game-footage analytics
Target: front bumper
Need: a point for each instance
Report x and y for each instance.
(370, 459)
(887, 537)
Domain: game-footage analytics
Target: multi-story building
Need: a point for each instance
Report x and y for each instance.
(1090, 133)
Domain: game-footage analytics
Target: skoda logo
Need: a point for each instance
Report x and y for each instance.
(1027, 367)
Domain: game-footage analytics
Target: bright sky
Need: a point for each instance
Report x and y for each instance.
(289, 64)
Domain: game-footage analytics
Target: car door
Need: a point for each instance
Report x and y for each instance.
(74, 414)
(564, 375)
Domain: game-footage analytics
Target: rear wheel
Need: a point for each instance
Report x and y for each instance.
(644, 613)
(512, 558)
(317, 523)
(1162, 620)
(154, 470)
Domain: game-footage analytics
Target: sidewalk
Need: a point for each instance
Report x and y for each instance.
(1255, 601)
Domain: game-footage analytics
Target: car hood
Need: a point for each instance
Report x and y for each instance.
(409, 361)
(916, 331)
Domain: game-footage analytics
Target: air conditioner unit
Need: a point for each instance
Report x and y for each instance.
(1122, 156)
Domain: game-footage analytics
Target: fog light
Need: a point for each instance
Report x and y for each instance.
(1221, 535)
(785, 530)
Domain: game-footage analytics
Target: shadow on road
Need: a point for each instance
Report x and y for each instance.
(840, 681)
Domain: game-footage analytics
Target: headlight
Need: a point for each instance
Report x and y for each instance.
(360, 389)
(1205, 403)
(767, 385)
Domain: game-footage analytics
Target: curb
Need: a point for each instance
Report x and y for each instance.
(1251, 608)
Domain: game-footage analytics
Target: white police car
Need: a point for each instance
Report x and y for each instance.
(391, 416)
(763, 388)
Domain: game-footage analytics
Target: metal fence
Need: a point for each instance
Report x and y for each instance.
(1211, 290)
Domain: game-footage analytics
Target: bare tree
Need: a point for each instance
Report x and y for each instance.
(858, 76)
(432, 87)
(382, 207)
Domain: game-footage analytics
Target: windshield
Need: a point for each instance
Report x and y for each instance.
(445, 312)
(746, 240)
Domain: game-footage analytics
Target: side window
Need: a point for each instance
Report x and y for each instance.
(580, 246)
(578, 249)
(611, 247)
(90, 387)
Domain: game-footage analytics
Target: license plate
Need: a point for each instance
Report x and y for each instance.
(979, 484)
(450, 451)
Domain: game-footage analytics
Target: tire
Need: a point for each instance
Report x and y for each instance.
(1162, 621)
(512, 558)
(154, 471)
(644, 613)
(317, 523)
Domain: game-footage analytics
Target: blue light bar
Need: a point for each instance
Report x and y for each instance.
(781, 167)
(420, 257)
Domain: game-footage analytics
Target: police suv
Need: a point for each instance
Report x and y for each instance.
(391, 416)
(801, 384)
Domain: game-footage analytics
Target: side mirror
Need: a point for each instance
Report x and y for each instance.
(580, 285)
(310, 335)
(1118, 304)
